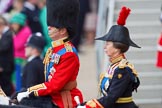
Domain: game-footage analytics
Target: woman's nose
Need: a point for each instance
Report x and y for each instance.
(104, 46)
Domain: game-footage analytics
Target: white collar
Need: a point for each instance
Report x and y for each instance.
(31, 58)
(29, 5)
(5, 29)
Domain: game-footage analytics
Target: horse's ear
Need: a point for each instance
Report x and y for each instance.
(2, 93)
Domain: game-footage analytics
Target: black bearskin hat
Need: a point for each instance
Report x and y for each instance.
(120, 33)
(63, 14)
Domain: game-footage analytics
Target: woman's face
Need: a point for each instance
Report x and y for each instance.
(15, 27)
(110, 50)
(18, 5)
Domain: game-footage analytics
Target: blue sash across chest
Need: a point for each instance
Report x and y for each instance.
(54, 58)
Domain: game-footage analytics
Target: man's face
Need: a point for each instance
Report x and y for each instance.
(28, 51)
(53, 33)
(33, 1)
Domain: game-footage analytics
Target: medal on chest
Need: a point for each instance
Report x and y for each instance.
(105, 79)
(50, 60)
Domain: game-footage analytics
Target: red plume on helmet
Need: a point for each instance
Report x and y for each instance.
(123, 16)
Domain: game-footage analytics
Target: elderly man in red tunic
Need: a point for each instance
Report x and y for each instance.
(61, 60)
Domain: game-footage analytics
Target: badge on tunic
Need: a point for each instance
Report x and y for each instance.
(56, 58)
(52, 70)
(53, 56)
(119, 76)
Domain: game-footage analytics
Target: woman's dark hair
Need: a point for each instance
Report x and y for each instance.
(123, 47)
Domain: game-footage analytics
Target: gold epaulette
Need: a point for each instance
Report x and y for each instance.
(68, 47)
(124, 63)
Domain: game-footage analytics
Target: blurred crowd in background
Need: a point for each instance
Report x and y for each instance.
(19, 20)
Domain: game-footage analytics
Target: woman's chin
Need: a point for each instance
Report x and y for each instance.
(108, 55)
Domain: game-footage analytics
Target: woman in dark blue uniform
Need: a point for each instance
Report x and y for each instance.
(118, 83)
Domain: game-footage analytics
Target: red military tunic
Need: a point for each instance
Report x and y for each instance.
(159, 53)
(64, 69)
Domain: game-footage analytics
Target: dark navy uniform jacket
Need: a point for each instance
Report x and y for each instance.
(33, 73)
(117, 86)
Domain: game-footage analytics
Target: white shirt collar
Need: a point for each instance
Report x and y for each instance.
(29, 5)
(5, 29)
(31, 58)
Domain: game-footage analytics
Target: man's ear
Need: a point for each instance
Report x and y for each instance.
(63, 31)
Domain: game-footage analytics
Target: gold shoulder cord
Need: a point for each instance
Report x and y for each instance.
(47, 56)
(124, 63)
(102, 75)
(47, 60)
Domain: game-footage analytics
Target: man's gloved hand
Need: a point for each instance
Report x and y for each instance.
(81, 106)
(4, 100)
(22, 95)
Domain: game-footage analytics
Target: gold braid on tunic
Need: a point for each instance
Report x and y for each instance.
(47, 60)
